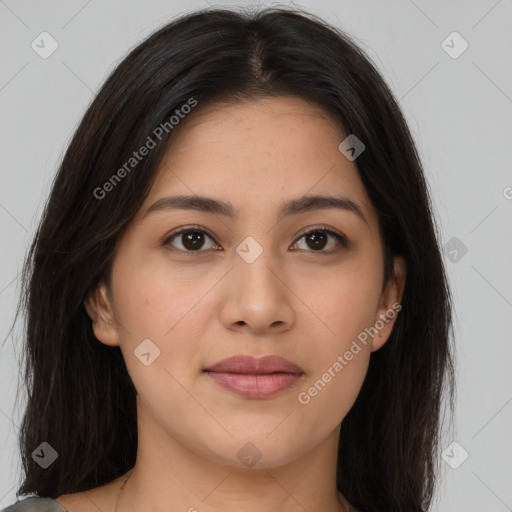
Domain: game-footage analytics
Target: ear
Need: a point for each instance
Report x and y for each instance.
(389, 304)
(99, 308)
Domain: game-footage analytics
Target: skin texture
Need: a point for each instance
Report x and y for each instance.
(294, 301)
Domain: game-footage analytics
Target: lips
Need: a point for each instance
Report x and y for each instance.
(254, 377)
(255, 366)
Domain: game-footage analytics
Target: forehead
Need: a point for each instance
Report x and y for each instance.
(256, 154)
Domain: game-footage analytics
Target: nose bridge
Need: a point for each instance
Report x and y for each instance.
(253, 262)
(256, 297)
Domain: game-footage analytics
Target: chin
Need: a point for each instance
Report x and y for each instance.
(258, 452)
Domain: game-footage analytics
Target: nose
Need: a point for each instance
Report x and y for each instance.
(258, 299)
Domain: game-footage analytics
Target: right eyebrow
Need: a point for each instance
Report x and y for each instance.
(199, 203)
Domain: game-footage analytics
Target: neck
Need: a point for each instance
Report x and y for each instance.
(168, 476)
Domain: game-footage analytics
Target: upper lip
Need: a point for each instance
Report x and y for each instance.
(254, 365)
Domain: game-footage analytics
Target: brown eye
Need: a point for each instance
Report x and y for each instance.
(192, 240)
(189, 240)
(316, 240)
(322, 240)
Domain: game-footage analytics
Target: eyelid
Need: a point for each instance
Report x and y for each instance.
(328, 229)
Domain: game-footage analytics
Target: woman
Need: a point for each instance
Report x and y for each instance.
(236, 298)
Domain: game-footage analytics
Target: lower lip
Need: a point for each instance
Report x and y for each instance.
(255, 386)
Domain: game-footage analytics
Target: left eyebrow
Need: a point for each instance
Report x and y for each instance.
(293, 207)
(322, 202)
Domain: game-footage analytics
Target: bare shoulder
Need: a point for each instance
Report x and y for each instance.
(102, 498)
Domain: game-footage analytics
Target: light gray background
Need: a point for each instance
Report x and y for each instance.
(458, 109)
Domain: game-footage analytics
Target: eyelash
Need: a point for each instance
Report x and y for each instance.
(342, 239)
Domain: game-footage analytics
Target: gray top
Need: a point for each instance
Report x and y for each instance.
(35, 504)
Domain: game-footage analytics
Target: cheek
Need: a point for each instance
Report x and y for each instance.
(340, 356)
(343, 301)
(344, 304)
(330, 394)
(161, 304)
(157, 298)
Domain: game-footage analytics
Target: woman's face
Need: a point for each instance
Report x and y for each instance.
(247, 279)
